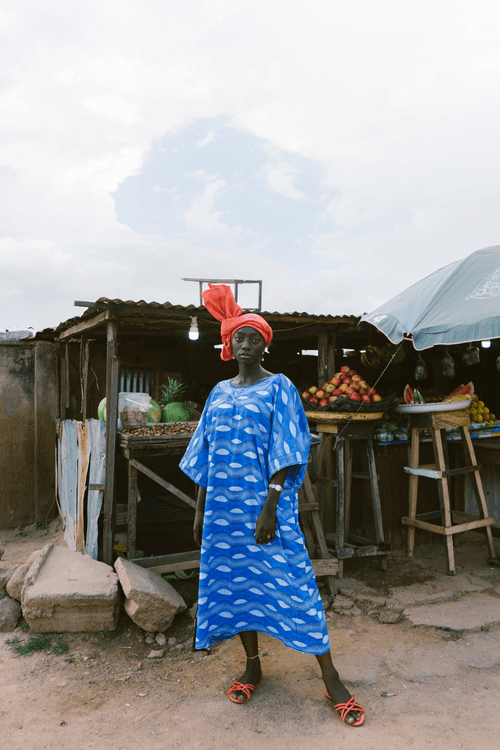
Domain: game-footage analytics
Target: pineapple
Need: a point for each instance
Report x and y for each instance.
(171, 400)
(171, 392)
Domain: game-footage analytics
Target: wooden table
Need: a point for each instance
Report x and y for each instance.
(440, 471)
(338, 430)
(135, 449)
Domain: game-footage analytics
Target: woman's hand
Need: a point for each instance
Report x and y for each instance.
(265, 528)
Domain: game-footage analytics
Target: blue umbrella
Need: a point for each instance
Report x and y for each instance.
(455, 305)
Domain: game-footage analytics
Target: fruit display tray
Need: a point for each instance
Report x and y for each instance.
(433, 407)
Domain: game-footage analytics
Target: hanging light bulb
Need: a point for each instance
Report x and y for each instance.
(486, 344)
(194, 333)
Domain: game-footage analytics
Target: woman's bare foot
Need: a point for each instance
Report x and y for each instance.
(335, 688)
(251, 676)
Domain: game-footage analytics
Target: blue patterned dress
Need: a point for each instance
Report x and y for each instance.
(244, 437)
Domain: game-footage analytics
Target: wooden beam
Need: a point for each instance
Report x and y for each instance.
(87, 325)
(163, 482)
(170, 563)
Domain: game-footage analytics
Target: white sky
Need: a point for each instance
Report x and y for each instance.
(339, 151)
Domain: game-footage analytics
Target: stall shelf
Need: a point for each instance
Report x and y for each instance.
(338, 431)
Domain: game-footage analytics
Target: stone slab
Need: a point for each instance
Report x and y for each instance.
(151, 602)
(440, 589)
(469, 613)
(10, 612)
(65, 591)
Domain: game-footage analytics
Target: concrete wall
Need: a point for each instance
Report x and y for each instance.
(28, 413)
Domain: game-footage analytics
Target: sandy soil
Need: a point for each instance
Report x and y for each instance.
(106, 693)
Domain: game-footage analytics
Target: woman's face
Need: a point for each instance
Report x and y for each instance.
(248, 345)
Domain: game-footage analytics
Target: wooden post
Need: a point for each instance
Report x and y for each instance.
(332, 342)
(66, 376)
(132, 511)
(323, 354)
(112, 381)
(84, 373)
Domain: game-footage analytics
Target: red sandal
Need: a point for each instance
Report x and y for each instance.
(345, 708)
(239, 687)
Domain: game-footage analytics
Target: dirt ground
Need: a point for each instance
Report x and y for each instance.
(104, 691)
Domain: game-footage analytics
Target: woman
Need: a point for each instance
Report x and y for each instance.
(248, 456)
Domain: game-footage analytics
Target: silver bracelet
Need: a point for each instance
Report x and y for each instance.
(252, 657)
(277, 487)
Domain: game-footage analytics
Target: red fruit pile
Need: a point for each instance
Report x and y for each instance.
(348, 383)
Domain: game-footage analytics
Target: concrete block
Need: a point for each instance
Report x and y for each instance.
(5, 576)
(65, 591)
(151, 602)
(10, 612)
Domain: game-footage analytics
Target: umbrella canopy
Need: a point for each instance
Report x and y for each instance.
(455, 305)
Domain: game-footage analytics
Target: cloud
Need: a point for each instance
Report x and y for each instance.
(206, 140)
(398, 104)
(280, 178)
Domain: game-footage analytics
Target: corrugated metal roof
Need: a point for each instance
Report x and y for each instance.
(107, 303)
(143, 309)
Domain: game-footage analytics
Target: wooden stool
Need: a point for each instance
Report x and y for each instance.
(438, 422)
(345, 428)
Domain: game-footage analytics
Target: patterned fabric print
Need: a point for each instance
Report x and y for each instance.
(245, 436)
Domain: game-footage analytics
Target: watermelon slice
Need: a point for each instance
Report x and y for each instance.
(408, 393)
(463, 390)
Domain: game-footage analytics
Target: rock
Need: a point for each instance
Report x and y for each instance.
(172, 641)
(5, 576)
(389, 618)
(375, 601)
(355, 611)
(1, 552)
(151, 602)
(16, 582)
(161, 639)
(341, 602)
(193, 611)
(149, 639)
(156, 655)
(10, 612)
(65, 591)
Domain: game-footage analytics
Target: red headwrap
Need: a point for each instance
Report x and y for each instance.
(220, 302)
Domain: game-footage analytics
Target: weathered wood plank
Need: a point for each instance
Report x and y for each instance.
(83, 467)
(86, 325)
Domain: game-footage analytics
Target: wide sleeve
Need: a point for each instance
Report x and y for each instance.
(195, 461)
(290, 439)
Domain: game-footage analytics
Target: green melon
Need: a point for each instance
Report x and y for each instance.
(154, 413)
(176, 412)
